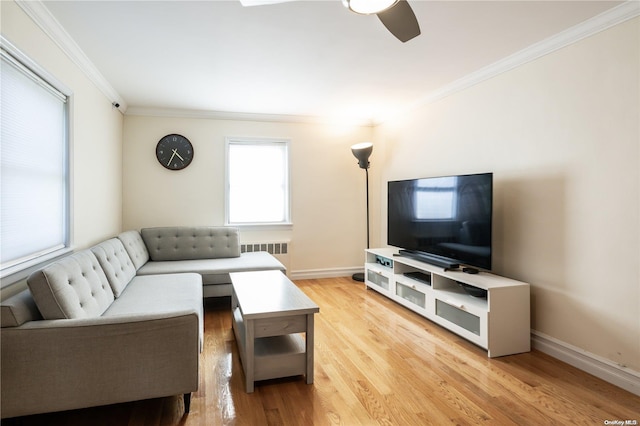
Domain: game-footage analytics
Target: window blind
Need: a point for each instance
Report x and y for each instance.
(33, 166)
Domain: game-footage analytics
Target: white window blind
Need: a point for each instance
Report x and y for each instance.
(257, 182)
(33, 167)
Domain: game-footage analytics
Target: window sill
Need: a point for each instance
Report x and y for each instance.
(21, 271)
(262, 226)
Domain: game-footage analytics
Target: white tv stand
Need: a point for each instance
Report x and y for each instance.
(499, 323)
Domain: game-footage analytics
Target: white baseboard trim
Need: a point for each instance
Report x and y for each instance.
(308, 274)
(598, 366)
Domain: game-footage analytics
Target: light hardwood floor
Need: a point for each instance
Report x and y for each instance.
(375, 363)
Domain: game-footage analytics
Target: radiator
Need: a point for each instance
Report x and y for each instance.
(280, 250)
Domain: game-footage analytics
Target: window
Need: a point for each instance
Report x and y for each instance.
(257, 190)
(34, 188)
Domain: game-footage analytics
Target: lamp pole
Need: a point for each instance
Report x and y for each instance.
(366, 171)
(362, 151)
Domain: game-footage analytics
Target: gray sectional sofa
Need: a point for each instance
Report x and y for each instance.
(121, 321)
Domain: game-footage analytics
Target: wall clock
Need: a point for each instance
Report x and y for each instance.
(174, 152)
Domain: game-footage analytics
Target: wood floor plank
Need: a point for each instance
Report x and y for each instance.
(376, 363)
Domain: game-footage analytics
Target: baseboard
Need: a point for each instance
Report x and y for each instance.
(308, 274)
(600, 367)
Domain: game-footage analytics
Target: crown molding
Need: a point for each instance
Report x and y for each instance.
(610, 18)
(39, 13)
(240, 116)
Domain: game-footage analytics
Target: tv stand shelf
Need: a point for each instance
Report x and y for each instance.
(498, 322)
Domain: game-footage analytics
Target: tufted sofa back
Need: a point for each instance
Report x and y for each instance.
(116, 263)
(184, 243)
(132, 241)
(73, 287)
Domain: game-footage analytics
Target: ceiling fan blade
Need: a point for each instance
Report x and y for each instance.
(401, 21)
(247, 3)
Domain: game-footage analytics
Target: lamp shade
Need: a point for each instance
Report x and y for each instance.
(368, 7)
(362, 151)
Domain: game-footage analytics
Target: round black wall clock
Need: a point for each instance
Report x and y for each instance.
(174, 152)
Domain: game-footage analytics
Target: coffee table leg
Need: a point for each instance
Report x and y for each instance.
(249, 355)
(309, 348)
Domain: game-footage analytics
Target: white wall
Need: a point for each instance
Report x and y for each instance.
(328, 199)
(562, 136)
(95, 132)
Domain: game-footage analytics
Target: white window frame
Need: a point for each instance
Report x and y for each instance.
(19, 269)
(257, 142)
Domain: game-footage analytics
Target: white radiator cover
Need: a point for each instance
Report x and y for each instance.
(279, 249)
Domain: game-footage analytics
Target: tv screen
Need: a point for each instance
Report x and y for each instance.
(447, 216)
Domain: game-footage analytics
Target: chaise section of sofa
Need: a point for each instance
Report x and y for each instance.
(56, 365)
(89, 332)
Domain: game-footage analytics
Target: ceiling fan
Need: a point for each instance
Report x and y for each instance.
(396, 15)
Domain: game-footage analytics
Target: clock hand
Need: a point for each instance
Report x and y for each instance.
(171, 159)
(175, 152)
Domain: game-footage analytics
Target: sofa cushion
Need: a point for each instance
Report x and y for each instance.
(184, 243)
(168, 294)
(132, 241)
(116, 263)
(73, 287)
(215, 271)
(18, 309)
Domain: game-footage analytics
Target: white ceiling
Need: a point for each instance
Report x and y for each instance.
(305, 58)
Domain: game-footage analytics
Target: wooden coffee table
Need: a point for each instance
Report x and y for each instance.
(269, 316)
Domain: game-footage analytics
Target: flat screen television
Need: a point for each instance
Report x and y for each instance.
(443, 220)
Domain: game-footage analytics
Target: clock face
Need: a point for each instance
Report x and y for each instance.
(174, 152)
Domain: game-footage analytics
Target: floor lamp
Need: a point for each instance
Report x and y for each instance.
(362, 151)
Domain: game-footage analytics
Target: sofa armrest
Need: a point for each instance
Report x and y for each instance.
(73, 363)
